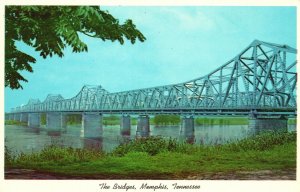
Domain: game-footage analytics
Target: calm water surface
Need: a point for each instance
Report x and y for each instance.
(27, 140)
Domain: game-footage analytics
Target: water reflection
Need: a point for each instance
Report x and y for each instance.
(54, 133)
(32, 130)
(125, 137)
(125, 133)
(75, 130)
(187, 136)
(190, 139)
(219, 134)
(260, 130)
(93, 143)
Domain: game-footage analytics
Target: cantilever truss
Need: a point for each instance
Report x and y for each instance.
(262, 76)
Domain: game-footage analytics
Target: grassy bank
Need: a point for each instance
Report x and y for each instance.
(165, 158)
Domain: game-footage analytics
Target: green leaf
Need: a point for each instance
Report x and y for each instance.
(49, 29)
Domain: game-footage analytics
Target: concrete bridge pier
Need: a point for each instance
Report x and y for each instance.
(55, 121)
(261, 124)
(125, 125)
(143, 126)
(24, 117)
(34, 120)
(9, 116)
(187, 129)
(267, 124)
(92, 125)
(17, 116)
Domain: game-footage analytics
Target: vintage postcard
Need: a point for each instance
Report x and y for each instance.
(184, 96)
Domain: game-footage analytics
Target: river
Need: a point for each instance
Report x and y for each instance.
(26, 140)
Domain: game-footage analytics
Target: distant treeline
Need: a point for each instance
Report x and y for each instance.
(111, 120)
(43, 119)
(74, 119)
(166, 120)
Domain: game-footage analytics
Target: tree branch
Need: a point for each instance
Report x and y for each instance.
(88, 34)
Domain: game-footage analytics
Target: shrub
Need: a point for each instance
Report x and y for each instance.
(61, 155)
(263, 141)
(151, 145)
(8, 156)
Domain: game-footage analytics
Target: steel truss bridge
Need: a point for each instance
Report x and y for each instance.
(261, 79)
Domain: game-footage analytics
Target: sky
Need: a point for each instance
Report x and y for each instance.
(183, 43)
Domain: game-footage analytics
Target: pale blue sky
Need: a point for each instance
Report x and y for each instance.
(182, 43)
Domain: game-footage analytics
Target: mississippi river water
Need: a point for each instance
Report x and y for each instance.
(27, 140)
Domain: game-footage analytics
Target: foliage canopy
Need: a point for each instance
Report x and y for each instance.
(50, 29)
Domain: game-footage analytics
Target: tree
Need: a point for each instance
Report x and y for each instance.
(49, 29)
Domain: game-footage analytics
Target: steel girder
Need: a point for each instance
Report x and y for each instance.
(262, 76)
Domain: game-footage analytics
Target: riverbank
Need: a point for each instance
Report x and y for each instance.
(267, 156)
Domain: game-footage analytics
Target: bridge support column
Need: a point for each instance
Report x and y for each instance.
(125, 125)
(34, 120)
(24, 117)
(55, 121)
(92, 125)
(261, 124)
(143, 126)
(187, 129)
